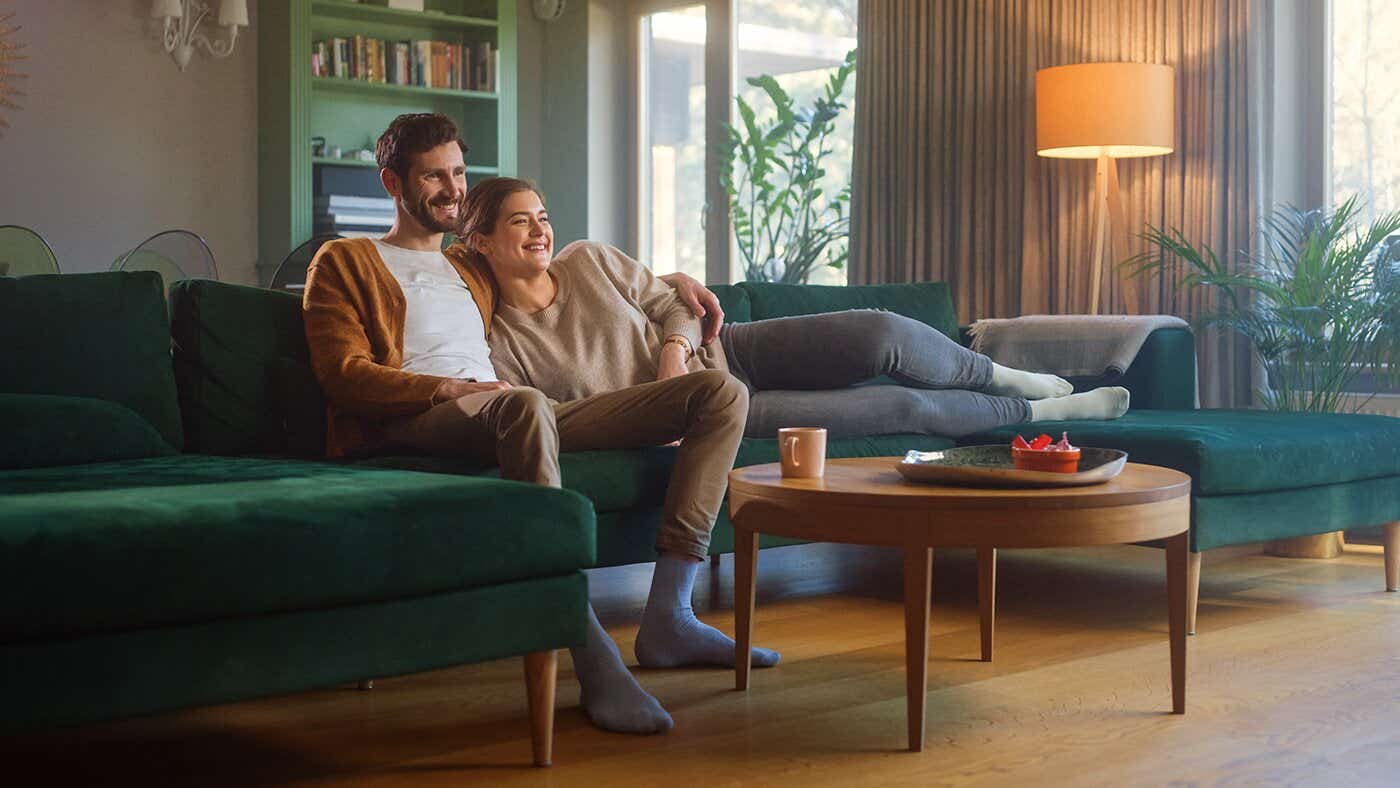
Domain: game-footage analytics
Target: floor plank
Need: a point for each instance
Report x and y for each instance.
(1293, 679)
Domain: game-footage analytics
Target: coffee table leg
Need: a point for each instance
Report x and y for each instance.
(1176, 613)
(745, 567)
(918, 585)
(987, 596)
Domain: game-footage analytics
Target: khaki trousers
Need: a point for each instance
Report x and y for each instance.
(523, 432)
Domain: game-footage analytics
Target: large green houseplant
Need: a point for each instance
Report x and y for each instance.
(1319, 303)
(785, 224)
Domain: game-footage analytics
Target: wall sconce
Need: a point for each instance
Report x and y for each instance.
(182, 18)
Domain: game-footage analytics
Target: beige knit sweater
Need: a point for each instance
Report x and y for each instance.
(603, 331)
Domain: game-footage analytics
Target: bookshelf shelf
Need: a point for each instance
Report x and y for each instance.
(472, 169)
(356, 12)
(338, 83)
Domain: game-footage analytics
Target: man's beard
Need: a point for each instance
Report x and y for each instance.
(421, 209)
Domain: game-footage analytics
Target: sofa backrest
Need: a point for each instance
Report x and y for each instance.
(734, 300)
(99, 336)
(1163, 374)
(243, 371)
(927, 302)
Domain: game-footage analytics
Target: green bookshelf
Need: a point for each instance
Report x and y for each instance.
(369, 165)
(361, 12)
(296, 105)
(356, 86)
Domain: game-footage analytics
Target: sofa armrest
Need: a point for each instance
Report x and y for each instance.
(1162, 375)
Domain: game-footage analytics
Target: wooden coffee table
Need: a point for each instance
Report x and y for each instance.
(866, 501)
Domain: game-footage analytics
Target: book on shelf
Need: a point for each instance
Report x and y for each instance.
(367, 220)
(426, 64)
(350, 202)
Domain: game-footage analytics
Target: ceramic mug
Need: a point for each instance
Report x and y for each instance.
(802, 451)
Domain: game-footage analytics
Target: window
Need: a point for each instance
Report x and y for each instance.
(798, 42)
(1365, 111)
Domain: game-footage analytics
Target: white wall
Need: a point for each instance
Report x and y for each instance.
(573, 125)
(115, 144)
(609, 86)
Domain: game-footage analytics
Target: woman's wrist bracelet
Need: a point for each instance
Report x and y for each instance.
(676, 339)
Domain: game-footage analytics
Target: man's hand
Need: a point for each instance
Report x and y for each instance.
(672, 361)
(452, 389)
(701, 301)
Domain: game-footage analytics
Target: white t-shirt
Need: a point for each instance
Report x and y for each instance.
(443, 333)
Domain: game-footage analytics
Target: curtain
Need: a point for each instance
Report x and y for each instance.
(947, 185)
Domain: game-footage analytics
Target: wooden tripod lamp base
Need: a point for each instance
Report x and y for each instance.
(1110, 230)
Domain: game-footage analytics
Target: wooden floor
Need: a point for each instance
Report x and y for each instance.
(1294, 679)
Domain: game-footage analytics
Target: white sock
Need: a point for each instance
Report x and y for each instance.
(1008, 382)
(1099, 405)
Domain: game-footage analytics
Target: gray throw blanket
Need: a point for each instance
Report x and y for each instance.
(1068, 345)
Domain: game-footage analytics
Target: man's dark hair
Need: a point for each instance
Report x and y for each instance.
(410, 135)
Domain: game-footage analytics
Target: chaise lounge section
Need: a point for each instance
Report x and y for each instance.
(138, 578)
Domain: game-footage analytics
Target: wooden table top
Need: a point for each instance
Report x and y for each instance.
(874, 482)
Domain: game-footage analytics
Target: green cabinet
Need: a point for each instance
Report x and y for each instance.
(295, 105)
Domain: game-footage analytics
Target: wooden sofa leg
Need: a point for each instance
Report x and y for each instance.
(366, 684)
(1392, 556)
(1193, 589)
(541, 672)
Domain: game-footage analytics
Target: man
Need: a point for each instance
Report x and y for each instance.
(397, 333)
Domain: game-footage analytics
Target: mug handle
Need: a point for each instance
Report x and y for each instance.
(790, 446)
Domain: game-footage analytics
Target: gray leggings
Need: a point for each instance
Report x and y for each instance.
(803, 372)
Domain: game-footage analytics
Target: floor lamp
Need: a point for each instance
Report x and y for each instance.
(1105, 111)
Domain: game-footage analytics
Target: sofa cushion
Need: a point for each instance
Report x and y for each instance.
(189, 538)
(43, 429)
(636, 478)
(1229, 452)
(611, 480)
(104, 336)
(927, 302)
(243, 370)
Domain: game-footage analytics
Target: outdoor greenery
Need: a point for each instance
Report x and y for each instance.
(786, 223)
(1320, 303)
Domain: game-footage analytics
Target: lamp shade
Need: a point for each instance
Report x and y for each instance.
(166, 8)
(1122, 110)
(233, 12)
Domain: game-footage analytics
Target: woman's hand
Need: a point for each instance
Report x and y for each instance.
(703, 303)
(671, 364)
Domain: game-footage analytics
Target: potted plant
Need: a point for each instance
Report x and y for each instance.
(785, 225)
(1319, 304)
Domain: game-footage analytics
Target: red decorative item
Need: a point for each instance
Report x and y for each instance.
(1042, 454)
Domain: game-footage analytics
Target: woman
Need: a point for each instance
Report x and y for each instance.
(592, 320)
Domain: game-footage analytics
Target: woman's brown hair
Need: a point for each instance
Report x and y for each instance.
(482, 206)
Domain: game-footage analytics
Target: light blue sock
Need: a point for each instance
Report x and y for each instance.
(671, 635)
(611, 697)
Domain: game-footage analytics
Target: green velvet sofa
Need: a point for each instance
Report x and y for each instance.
(106, 617)
(1256, 475)
(136, 577)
